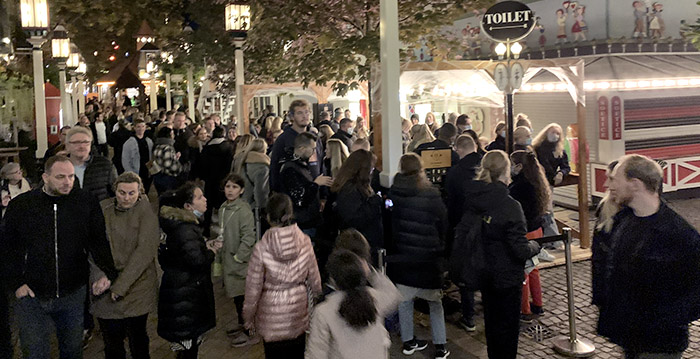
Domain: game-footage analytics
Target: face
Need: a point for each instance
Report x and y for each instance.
(199, 202)
(127, 194)
(620, 187)
(59, 179)
(179, 122)
(78, 146)
(15, 176)
(202, 134)
(84, 121)
(232, 191)
(140, 129)
(274, 137)
(232, 134)
(301, 116)
(308, 150)
(209, 125)
(64, 132)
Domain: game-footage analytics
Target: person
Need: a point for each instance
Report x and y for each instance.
(93, 172)
(549, 146)
(58, 146)
(254, 167)
(133, 233)
(415, 120)
(215, 165)
(324, 118)
(182, 134)
(12, 180)
(419, 228)
(354, 313)
(299, 110)
(335, 123)
(651, 280)
(360, 144)
(186, 298)
(600, 248)
(430, 121)
(522, 138)
(195, 144)
(530, 188)
(83, 121)
(301, 187)
(166, 160)
(241, 145)
(477, 141)
(523, 120)
(503, 230)
(463, 123)
(209, 125)
(275, 126)
(420, 134)
(499, 142)
(282, 273)
(100, 132)
(49, 233)
(117, 139)
(345, 132)
(237, 225)
(446, 137)
(451, 118)
(137, 153)
(406, 133)
(231, 133)
(361, 130)
(336, 155)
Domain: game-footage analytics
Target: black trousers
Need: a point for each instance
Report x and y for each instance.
(6, 348)
(238, 302)
(114, 331)
(467, 303)
(286, 349)
(502, 321)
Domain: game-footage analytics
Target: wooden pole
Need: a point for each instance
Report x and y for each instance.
(582, 167)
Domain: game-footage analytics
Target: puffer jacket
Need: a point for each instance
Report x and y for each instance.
(99, 177)
(256, 174)
(281, 273)
(186, 301)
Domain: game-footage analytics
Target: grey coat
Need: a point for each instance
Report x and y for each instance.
(238, 225)
(131, 158)
(256, 174)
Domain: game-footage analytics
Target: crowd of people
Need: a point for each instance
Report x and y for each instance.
(294, 217)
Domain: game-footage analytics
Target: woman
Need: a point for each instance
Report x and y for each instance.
(282, 273)
(231, 133)
(336, 154)
(549, 146)
(186, 300)
(405, 133)
(196, 144)
(506, 248)
(166, 161)
(361, 130)
(354, 313)
(133, 234)
(479, 148)
(499, 142)
(255, 170)
(12, 179)
(531, 190)
(605, 213)
(241, 146)
(275, 125)
(419, 222)
(430, 121)
(420, 134)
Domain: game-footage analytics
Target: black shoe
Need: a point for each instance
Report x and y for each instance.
(441, 352)
(414, 345)
(527, 318)
(536, 309)
(467, 324)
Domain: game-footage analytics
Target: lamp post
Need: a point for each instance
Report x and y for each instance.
(238, 23)
(509, 77)
(60, 50)
(82, 68)
(35, 22)
(149, 52)
(72, 64)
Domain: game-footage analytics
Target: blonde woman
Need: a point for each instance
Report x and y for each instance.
(405, 133)
(420, 134)
(275, 125)
(430, 121)
(549, 146)
(361, 130)
(607, 209)
(255, 170)
(241, 145)
(336, 154)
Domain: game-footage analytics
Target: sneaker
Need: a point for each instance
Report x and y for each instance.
(536, 309)
(243, 340)
(545, 256)
(441, 352)
(527, 318)
(414, 345)
(467, 324)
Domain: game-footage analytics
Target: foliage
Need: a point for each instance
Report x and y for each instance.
(691, 32)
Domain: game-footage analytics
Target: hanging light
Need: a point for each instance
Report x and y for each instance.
(60, 44)
(501, 50)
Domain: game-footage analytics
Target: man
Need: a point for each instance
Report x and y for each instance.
(209, 125)
(451, 118)
(324, 118)
(117, 139)
(217, 120)
(182, 135)
(100, 132)
(93, 173)
(58, 146)
(337, 116)
(344, 134)
(50, 232)
(651, 276)
(458, 177)
(463, 123)
(348, 114)
(213, 166)
(446, 136)
(522, 137)
(298, 183)
(137, 152)
(84, 121)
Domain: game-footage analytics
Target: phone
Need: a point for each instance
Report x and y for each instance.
(388, 203)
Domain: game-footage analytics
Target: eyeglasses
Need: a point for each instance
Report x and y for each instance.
(80, 142)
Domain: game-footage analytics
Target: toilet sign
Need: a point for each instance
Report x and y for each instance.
(508, 21)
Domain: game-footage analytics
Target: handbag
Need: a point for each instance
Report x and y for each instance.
(153, 167)
(467, 263)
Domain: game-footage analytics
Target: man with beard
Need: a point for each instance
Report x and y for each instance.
(651, 276)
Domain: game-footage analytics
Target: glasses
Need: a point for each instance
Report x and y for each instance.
(83, 143)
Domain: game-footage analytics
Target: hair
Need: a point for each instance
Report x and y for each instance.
(76, 130)
(338, 154)
(406, 125)
(276, 124)
(542, 138)
(415, 115)
(280, 211)
(139, 121)
(304, 139)
(326, 132)
(466, 142)
(218, 132)
(179, 197)
(430, 114)
(462, 120)
(475, 137)
(361, 144)
(128, 177)
(66, 128)
(500, 126)
(352, 240)
(356, 170)
(324, 115)
(348, 272)
(256, 145)
(345, 121)
(644, 169)
(8, 168)
(524, 122)
(410, 165)
(534, 174)
(494, 164)
(420, 134)
(452, 117)
(165, 132)
(243, 142)
(52, 160)
(298, 103)
(447, 132)
(607, 208)
(235, 178)
(180, 114)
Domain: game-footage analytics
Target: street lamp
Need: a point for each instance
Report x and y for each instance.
(72, 64)
(149, 53)
(508, 78)
(238, 24)
(81, 70)
(35, 22)
(60, 50)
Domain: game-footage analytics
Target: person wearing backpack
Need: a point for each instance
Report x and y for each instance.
(501, 231)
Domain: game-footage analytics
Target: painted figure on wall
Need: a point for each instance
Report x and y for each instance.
(561, 26)
(475, 41)
(656, 22)
(579, 28)
(542, 41)
(640, 19)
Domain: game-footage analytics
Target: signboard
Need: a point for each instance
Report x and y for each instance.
(516, 75)
(500, 75)
(508, 21)
(603, 112)
(436, 158)
(616, 118)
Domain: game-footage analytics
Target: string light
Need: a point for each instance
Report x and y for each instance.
(643, 84)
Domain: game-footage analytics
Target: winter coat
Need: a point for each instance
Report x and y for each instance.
(344, 137)
(298, 184)
(256, 174)
(131, 156)
(498, 144)
(281, 149)
(164, 157)
(552, 165)
(459, 176)
(93, 128)
(214, 165)
(133, 236)
(600, 250)
(99, 177)
(186, 299)
(238, 224)
(117, 139)
(281, 273)
(524, 192)
(419, 226)
(505, 247)
(353, 209)
(651, 282)
(332, 338)
(39, 228)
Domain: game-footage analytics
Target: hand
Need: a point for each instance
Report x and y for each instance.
(24, 291)
(214, 245)
(177, 155)
(101, 285)
(324, 181)
(5, 199)
(558, 178)
(116, 297)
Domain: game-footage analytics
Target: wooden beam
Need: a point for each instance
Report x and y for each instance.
(582, 163)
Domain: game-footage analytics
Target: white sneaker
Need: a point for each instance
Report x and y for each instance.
(545, 256)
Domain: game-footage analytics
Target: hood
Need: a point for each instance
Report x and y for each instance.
(285, 243)
(482, 196)
(471, 160)
(169, 216)
(257, 157)
(405, 184)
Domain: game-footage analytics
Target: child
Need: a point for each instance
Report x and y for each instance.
(238, 234)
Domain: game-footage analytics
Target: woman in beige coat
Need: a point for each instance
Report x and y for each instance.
(132, 228)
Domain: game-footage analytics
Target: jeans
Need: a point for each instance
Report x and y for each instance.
(437, 314)
(286, 349)
(633, 355)
(35, 316)
(502, 321)
(114, 331)
(467, 297)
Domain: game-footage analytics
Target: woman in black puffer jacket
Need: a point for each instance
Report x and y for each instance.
(186, 301)
(419, 222)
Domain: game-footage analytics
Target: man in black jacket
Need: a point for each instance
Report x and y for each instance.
(50, 232)
(344, 134)
(651, 276)
(94, 173)
(213, 166)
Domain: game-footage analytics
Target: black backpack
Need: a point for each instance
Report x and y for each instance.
(467, 264)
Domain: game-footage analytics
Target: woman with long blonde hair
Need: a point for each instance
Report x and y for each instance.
(254, 167)
(275, 125)
(420, 134)
(336, 154)
(549, 146)
(606, 211)
(430, 121)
